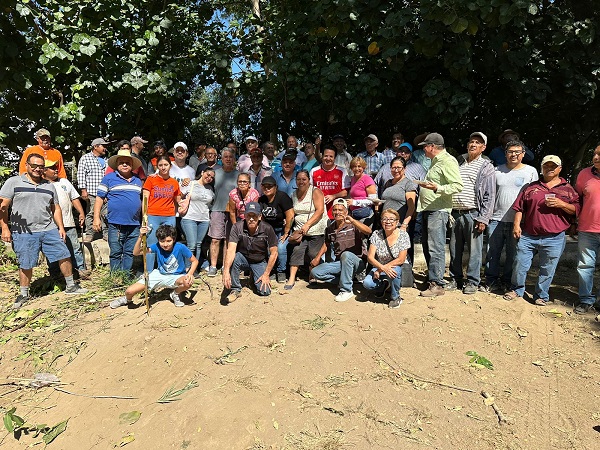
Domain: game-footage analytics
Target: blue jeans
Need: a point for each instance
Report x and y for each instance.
(341, 272)
(371, 283)
(74, 247)
(121, 240)
(155, 222)
(500, 236)
(463, 234)
(195, 232)
(240, 263)
(588, 246)
(433, 239)
(549, 249)
(281, 251)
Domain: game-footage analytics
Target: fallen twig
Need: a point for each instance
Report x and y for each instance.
(421, 379)
(208, 285)
(29, 320)
(94, 396)
(502, 419)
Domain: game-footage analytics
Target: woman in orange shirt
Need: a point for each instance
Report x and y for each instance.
(163, 196)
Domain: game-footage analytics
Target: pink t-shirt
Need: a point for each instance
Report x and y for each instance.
(240, 203)
(358, 188)
(588, 187)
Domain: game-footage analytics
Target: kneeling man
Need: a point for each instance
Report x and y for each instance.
(252, 246)
(343, 250)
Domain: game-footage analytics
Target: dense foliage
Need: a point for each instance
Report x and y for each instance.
(113, 67)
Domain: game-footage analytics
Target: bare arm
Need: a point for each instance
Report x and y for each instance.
(79, 209)
(6, 237)
(228, 261)
(411, 202)
(57, 213)
(318, 201)
(97, 224)
(232, 211)
(517, 224)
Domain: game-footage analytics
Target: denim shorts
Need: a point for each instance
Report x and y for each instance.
(27, 247)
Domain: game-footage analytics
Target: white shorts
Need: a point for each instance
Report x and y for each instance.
(157, 280)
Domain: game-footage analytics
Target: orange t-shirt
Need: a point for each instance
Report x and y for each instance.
(51, 155)
(161, 201)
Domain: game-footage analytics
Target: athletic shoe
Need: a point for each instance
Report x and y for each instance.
(212, 272)
(451, 286)
(386, 286)
(121, 301)
(434, 290)
(176, 300)
(582, 308)
(395, 303)
(470, 289)
(20, 301)
(75, 289)
(281, 277)
(344, 296)
(233, 296)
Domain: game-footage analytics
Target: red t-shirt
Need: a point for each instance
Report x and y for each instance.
(161, 201)
(330, 182)
(588, 188)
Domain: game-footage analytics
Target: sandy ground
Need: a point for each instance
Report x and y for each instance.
(300, 371)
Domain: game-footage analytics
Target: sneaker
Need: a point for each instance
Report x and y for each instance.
(395, 303)
(451, 286)
(20, 301)
(344, 296)
(75, 290)
(272, 277)
(121, 301)
(233, 296)
(386, 287)
(470, 289)
(582, 308)
(205, 265)
(434, 290)
(281, 277)
(212, 272)
(540, 302)
(176, 300)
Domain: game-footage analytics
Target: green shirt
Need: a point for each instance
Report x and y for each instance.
(445, 174)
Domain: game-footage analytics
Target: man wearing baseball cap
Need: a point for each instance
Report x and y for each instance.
(435, 201)
(252, 246)
(375, 160)
(344, 240)
(90, 171)
(472, 210)
(43, 148)
(137, 147)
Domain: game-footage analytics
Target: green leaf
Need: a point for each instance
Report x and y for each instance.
(459, 25)
(129, 418)
(55, 431)
(126, 440)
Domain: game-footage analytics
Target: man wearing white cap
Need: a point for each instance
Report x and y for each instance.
(180, 171)
(375, 160)
(44, 148)
(137, 147)
(472, 210)
(244, 162)
(90, 171)
(545, 209)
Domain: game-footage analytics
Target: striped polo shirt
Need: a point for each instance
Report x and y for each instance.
(124, 198)
(467, 198)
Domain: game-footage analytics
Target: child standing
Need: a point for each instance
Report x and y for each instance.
(172, 258)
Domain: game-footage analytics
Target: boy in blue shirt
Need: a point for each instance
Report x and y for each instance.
(171, 260)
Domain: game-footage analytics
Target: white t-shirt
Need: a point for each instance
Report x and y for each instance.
(508, 185)
(199, 209)
(66, 194)
(181, 174)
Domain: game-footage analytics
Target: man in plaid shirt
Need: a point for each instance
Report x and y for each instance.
(373, 158)
(90, 171)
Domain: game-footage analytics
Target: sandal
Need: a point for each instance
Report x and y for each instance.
(289, 287)
(510, 295)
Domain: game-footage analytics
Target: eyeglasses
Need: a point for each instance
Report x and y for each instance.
(36, 166)
(514, 152)
(127, 163)
(397, 168)
(389, 220)
(52, 168)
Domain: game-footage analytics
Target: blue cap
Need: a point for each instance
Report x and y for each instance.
(407, 145)
(253, 207)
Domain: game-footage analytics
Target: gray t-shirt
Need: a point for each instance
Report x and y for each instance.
(31, 204)
(508, 185)
(224, 183)
(394, 195)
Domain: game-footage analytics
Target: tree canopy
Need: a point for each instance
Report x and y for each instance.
(114, 67)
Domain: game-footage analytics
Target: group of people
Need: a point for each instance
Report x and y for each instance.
(344, 218)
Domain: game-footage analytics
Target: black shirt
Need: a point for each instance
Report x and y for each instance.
(274, 212)
(254, 247)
